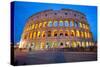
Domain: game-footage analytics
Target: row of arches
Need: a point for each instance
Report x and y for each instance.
(57, 33)
(66, 44)
(58, 24)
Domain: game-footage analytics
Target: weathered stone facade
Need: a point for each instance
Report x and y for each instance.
(63, 28)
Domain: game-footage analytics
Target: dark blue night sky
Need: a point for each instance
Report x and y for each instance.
(23, 10)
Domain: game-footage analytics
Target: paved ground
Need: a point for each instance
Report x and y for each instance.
(44, 57)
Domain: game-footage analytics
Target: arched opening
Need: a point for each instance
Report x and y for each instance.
(85, 34)
(77, 33)
(61, 33)
(31, 35)
(55, 45)
(66, 23)
(60, 23)
(67, 44)
(78, 44)
(74, 44)
(43, 34)
(71, 23)
(49, 33)
(80, 24)
(83, 44)
(48, 44)
(34, 34)
(55, 33)
(50, 24)
(61, 44)
(72, 33)
(44, 24)
(87, 44)
(38, 34)
(33, 26)
(55, 23)
(82, 35)
(75, 24)
(66, 33)
(40, 25)
(36, 26)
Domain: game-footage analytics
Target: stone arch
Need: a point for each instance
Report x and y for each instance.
(78, 43)
(75, 24)
(44, 24)
(82, 34)
(71, 23)
(33, 26)
(77, 33)
(49, 33)
(36, 26)
(61, 43)
(61, 33)
(66, 33)
(50, 24)
(67, 43)
(34, 34)
(66, 23)
(38, 34)
(87, 44)
(72, 33)
(80, 25)
(48, 44)
(73, 44)
(43, 34)
(31, 35)
(40, 25)
(85, 33)
(55, 33)
(83, 44)
(61, 23)
(55, 24)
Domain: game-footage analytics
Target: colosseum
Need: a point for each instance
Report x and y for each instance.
(65, 28)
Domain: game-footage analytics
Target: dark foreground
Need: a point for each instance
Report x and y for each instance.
(46, 57)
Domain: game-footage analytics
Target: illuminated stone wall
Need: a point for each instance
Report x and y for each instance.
(63, 28)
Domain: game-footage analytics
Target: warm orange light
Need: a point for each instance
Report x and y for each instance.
(85, 35)
(80, 25)
(40, 25)
(72, 33)
(73, 44)
(34, 34)
(36, 26)
(82, 35)
(33, 26)
(77, 33)
(31, 35)
(83, 44)
(44, 24)
(43, 34)
(38, 34)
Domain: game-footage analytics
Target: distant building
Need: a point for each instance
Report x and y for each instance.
(63, 28)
